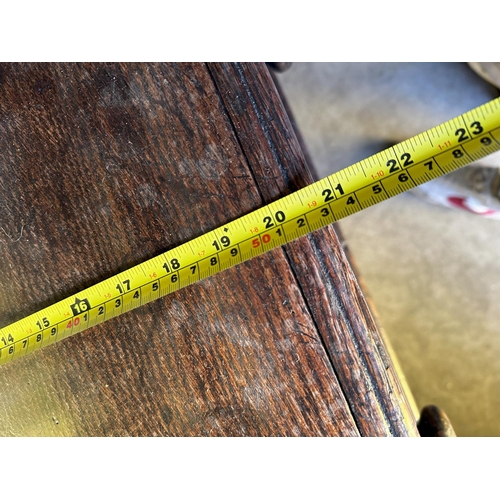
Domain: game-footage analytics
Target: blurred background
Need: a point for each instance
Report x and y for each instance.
(432, 272)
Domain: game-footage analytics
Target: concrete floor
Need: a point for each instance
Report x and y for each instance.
(433, 272)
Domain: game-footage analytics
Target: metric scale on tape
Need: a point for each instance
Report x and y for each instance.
(429, 155)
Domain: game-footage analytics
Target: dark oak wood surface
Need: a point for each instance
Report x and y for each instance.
(105, 165)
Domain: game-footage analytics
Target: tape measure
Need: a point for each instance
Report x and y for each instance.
(422, 158)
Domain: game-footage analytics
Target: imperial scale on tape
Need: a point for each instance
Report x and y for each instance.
(422, 158)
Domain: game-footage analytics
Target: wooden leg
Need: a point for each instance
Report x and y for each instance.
(434, 423)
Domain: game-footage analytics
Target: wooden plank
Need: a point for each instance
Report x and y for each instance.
(397, 376)
(330, 288)
(101, 167)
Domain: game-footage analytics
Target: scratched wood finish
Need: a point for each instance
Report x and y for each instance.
(105, 165)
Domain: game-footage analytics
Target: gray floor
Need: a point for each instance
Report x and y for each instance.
(432, 272)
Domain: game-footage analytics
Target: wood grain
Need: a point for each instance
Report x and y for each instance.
(103, 166)
(106, 165)
(331, 291)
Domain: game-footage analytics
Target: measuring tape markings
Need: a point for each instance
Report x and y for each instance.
(419, 159)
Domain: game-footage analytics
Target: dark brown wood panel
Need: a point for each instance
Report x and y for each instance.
(101, 167)
(330, 288)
